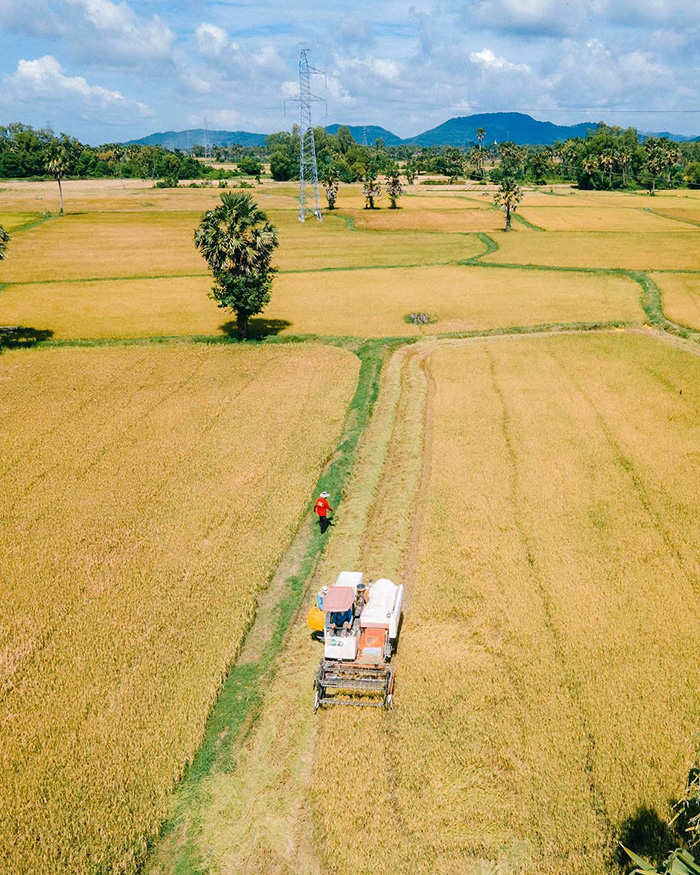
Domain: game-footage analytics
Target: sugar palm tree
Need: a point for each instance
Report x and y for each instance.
(237, 241)
(56, 165)
(508, 197)
(4, 240)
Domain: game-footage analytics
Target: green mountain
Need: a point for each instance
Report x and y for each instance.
(499, 126)
(198, 136)
(372, 132)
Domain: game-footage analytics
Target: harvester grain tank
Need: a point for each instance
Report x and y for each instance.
(360, 628)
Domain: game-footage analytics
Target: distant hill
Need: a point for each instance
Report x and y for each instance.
(198, 136)
(677, 138)
(460, 131)
(374, 132)
(500, 126)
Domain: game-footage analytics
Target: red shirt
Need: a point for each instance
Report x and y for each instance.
(322, 507)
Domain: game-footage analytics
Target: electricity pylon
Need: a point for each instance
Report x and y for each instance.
(308, 170)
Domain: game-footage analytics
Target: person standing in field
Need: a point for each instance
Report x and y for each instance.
(321, 508)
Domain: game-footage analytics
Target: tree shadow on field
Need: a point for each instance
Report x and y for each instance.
(18, 337)
(645, 833)
(257, 328)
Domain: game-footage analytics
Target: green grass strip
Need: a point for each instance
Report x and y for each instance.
(36, 222)
(653, 307)
(489, 243)
(241, 696)
(527, 223)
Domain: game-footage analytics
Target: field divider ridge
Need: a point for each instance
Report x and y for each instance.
(240, 700)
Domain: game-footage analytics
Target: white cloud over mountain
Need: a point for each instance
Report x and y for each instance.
(405, 67)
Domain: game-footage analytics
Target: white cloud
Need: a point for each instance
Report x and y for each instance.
(543, 17)
(33, 17)
(43, 80)
(212, 41)
(492, 62)
(115, 33)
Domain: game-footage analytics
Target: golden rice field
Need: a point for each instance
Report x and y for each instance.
(680, 295)
(547, 526)
(537, 495)
(148, 494)
(546, 698)
(369, 302)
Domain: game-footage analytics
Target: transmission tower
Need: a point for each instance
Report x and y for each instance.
(364, 135)
(207, 147)
(308, 170)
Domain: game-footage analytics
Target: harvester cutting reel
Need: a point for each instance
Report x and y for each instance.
(360, 627)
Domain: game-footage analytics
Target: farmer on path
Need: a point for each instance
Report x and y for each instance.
(321, 508)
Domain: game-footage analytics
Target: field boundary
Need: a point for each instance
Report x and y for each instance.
(240, 701)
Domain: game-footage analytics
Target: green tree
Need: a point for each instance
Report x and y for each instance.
(4, 240)
(411, 170)
(370, 189)
(392, 186)
(508, 197)
(344, 138)
(237, 241)
(679, 862)
(331, 185)
(56, 165)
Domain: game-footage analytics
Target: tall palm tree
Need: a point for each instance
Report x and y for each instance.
(4, 240)
(508, 197)
(480, 134)
(237, 241)
(56, 165)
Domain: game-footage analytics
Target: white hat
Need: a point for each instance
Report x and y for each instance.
(325, 495)
(324, 589)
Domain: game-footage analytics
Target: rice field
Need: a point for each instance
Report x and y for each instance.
(537, 495)
(675, 249)
(547, 527)
(148, 494)
(372, 303)
(680, 296)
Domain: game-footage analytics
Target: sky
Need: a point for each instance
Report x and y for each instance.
(107, 71)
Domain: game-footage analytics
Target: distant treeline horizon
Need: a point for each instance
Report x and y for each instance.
(605, 158)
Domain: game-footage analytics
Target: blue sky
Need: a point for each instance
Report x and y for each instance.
(107, 71)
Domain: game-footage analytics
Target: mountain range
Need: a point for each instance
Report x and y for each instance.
(460, 131)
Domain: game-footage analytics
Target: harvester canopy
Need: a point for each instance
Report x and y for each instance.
(360, 632)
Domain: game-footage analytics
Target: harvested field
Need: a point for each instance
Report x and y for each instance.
(142, 514)
(680, 297)
(470, 217)
(652, 250)
(152, 244)
(369, 303)
(556, 560)
(602, 217)
(374, 302)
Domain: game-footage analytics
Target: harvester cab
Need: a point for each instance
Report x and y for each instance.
(360, 631)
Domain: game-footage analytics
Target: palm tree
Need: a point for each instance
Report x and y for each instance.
(237, 241)
(393, 186)
(480, 134)
(508, 197)
(370, 189)
(56, 165)
(331, 186)
(4, 240)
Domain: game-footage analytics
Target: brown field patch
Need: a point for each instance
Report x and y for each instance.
(148, 494)
(667, 250)
(603, 217)
(373, 303)
(561, 515)
(368, 303)
(680, 297)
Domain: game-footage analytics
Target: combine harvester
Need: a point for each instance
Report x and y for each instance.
(359, 626)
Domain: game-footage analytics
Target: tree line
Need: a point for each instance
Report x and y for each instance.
(606, 158)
